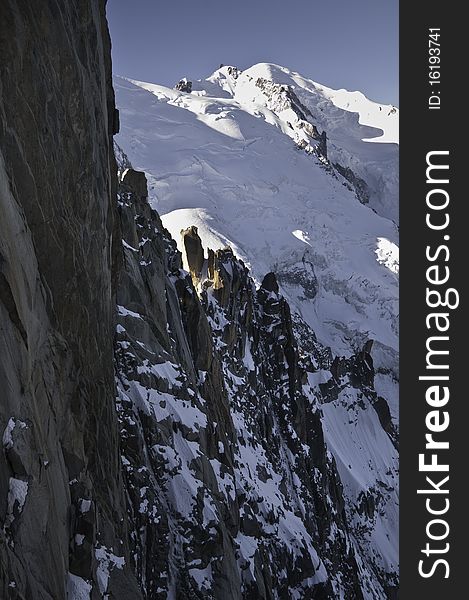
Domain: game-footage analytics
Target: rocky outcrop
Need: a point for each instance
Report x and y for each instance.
(359, 185)
(184, 85)
(194, 251)
(322, 146)
(283, 99)
(234, 72)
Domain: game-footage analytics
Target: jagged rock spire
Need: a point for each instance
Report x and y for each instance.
(194, 251)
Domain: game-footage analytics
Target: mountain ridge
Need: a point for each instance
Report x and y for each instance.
(260, 395)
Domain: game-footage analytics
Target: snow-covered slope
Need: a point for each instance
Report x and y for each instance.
(243, 157)
(349, 137)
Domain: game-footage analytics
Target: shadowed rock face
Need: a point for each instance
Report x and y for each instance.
(137, 181)
(269, 283)
(58, 266)
(359, 185)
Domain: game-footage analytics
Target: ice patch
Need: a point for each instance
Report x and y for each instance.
(128, 246)
(107, 561)
(85, 506)
(203, 577)
(124, 312)
(7, 434)
(387, 254)
(77, 588)
(17, 493)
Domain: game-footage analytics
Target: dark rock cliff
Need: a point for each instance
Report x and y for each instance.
(60, 476)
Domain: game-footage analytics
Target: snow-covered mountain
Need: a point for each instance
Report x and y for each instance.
(287, 174)
(241, 158)
(202, 423)
(227, 164)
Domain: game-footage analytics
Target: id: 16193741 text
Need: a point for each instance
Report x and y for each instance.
(434, 68)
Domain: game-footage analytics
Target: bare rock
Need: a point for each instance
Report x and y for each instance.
(184, 85)
(137, 181)
(194, 251)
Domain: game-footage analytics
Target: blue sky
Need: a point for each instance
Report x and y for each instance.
(346, 43)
